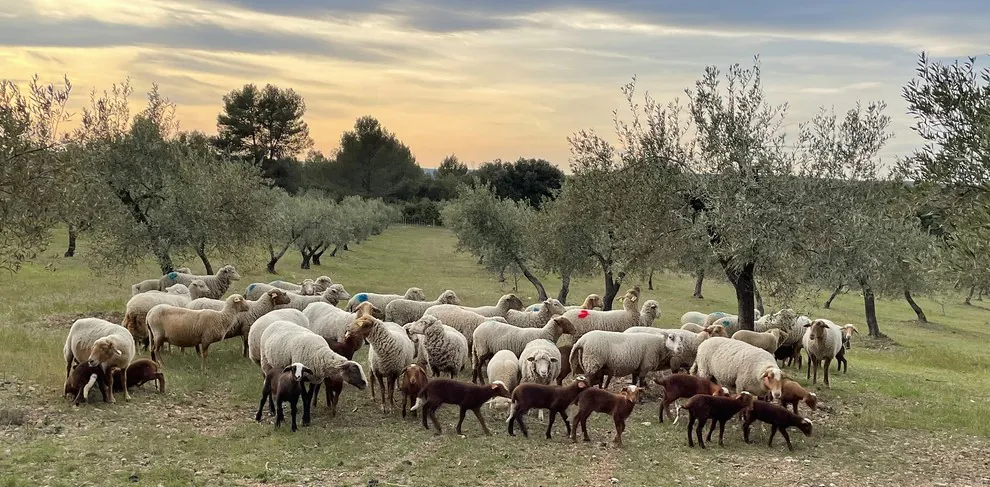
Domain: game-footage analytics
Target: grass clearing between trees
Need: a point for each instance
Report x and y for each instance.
(910, 411)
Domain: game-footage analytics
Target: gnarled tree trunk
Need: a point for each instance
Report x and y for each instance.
(698, 281)
(565, 287)
(71, 251)
(917, 309)
(869, 301)
(612, 286)
(320, 249)
(828, 302)
(275, 256)
(759, 303)
(201, 252)
(307, 254)
(742, 279)
(540, 290)
(649, 283)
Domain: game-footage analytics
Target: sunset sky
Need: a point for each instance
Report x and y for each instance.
(484, 79)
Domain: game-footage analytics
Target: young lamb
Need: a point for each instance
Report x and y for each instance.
(739, 365)
(391, 351)
(285, 385)
(404, 311)
(136, 313)
(649, 313)
(381, 300)
(139, 372)
(522, 319)
(466, 395)
(82, 378)
(600, 353)
(505, 303)
(778, 418)
(217, 284)
(261, 324)
(333, 295)
(768, 340)
(284, 343)
(256, 309)
(791, 393)
(504, 368)
(461, 319)
(331, 322)
(822, 340)
(492, 336)
(99, 342)
(411, 384)
(618, 320)
(693, 317)
(334, 384)
(446, 348)
(685, 386)
(188, 328)
(718, 409)
(594, 400)
(539, 396)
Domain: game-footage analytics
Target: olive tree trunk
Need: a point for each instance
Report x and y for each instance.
(742, 279)
(870, 303)
(71, 251)
(914, 305)
(201, 252)
(565, 287)
(828, 302)
(699, 280)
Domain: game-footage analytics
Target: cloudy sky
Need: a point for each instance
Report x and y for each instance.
(484, 78)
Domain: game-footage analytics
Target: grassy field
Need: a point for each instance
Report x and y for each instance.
(909, 412)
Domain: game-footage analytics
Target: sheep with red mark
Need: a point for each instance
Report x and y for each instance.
(285, 385)
(539, 396)
(779, 418)
(791, 393)
(718, 409)
(139, 372)
(99, 342)
(616, 320)
(412, 382)
(595, 400)
(466, 395)
(685, 386)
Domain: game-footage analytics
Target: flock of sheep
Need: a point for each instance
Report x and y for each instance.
(545, 357)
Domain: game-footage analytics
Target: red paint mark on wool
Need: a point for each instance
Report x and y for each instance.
(583, 313)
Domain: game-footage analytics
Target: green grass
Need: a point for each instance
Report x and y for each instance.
(911, 412)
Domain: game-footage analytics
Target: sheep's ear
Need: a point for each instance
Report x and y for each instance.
(307, 370)
(118, 351)
(494, 387)
(807, 325)
(531, 359)
(554, 360)
(288, 368)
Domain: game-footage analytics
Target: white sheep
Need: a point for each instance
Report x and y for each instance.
(259, 326)
(616, 354)
(136, 312)
(692, 327)
(256, 309)
(768, 340)
(539, 363)
(733, 363)
(99, 342)
(217, 284)
(446, 348)
(593, 301)
(492, 336)
(404, 311)
(391, 351)
(524, 319)
(504, 367)
(505, 303)
(333, 295)
(617, 320)
(823, 341)
(284, 343)
(649, 313)
(694, 317)
(154, 284)
(316, 286)
(330, 322)
(381, 300)
(460, 319)
(189, 328)
(684, 358)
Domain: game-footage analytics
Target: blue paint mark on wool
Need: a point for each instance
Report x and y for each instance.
(173, 275)
(536, 309)
(251, 287)
(718, 314)
(362, 297)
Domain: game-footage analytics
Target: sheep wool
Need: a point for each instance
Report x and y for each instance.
(619, 354)
(682, 359)
(768, 340)
(258, 328)
(504, 367)
(96, 340)
(823, 341)
(381, 300)
(136, 312)
(616, 320)
(593, 301)
(330, 322)
(145, 286)
(333, 295)
(694, 317)
(217, 284)
(539, 362)
(284, 343)
(505, 303)
(186, 327)
(524, 319)
(733, 363)
(460, 319)
(492, 336)
(390, 352)
(256, 309)
(404, 311)
(649, 313)
(446, 348)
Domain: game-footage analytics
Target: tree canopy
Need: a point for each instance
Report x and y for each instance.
(263, 124)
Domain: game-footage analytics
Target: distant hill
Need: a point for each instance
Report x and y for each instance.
(429, 171)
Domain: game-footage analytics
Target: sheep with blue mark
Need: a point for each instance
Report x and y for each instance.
(381, 301)
(217, 284)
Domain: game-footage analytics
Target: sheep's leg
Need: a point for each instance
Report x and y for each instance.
(810, 366)
(381, 385)
(828, 363)
(203, 352)
(307, 398)
(265, 395)
(433, 417)
(391, 393)
(795, 404)
(460, 419)
(292, 409)
(68, 364)
(371, 382)
(405, 398)
(663, 407)
(711, 430)
(539, 414)
(515, 417)
(553, 416)
(620, 426)
(608, 380)
(584, 426)
(677, 412)
(745, 429)
(787, 438)
(721, 432)
(280, 414)
(425, 414)
(160, 380)
(690, 429)
(567, 424)
(773, 431)
(481, 419)
(699, 431)
(245, 350)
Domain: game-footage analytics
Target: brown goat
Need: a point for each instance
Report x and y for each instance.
(529, 395)
(719, 409)
(681, 386)
(412, 382)
(466, 395)
(791, 393)
(82, 378)
(778, 418)
(596, 400)
(139, 372)
(565, 365)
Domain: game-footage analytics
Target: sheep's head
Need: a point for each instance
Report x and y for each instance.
(555, 307)
(756, 314)
(847, 332)
(237, 303)
(323, 282)
(772, 381)
(183, 270)
(103, 351)
(805, 426)
(335, 293)
(415, 294)
(179, 288)
(353, 374)
(630, 299)
(278, 297)
(631, 393)
(581, 382)
(363, 325)
(540, 362)
(651, 308)
(784, 318)
(811, 400)
(198, 288)
(717, 390)
(747, 399)
(498, 389)
(778, 334)
(448, 297)
(413, 374)
(228, 272)
(564, 325)
(307, 287)
(299, 371)
(419, 326)
(674, 343)
(593, 301)
(512, 302)
(818, 328)
(716, 331)
(368, 309)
